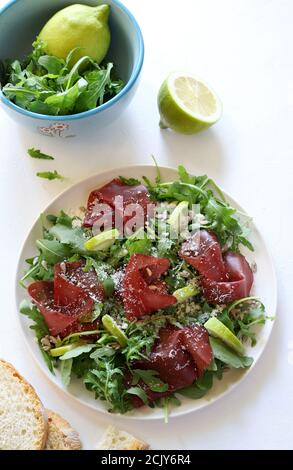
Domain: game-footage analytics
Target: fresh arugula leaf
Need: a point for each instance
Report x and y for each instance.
(40, 328)
(50, 175)
(150, 378)
(225, 318)
(229, 357)
(106, 381)
(103, 352)
(53, 251)
(53, 65)
(73, 237)
(138, 243)
(245, 314)
(81, 365)
(40, 270)
(139, 392)
(200, 387)
(84, 348)
(62, 218)
(36, 153)
(63, 103)
(66, 367)
(184, 176)
(129, 181)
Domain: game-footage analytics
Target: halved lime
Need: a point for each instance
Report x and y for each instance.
(103, 241)
(187, 104)
(217, 329)
(111, 326)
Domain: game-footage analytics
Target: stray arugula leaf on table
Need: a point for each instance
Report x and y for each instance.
(36, 153)
(50, 175)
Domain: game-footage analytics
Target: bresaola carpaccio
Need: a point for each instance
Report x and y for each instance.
(224, 277)
(180, 356)
(71, 296)
(103, 202)
(142, 290)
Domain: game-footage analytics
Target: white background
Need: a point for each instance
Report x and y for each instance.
(242, 48)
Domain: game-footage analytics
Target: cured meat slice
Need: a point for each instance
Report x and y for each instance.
(66, 300)
(180, 355)
(203, 252)
(224, 278)
(58, 318)
(71, 281)
(238, 284)
(137, 194)
(142, 291)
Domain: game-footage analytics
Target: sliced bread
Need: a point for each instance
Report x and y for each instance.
(61, 436)
(23, 423)
(116, 439)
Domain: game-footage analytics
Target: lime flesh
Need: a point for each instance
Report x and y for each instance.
(217, 329)
(187, 104)
(78, 26)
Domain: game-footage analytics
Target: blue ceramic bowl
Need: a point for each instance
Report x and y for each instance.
(22, 20)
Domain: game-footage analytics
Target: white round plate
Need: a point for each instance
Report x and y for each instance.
(264, 287)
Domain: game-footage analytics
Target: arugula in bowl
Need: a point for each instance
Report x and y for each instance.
(45, 84)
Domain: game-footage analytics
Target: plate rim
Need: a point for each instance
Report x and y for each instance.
(128, 416)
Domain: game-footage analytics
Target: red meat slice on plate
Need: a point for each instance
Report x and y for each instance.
(180, 355)
(142, 291)
(195, 339)
(137, 194)
(203, 252)
(224, 277)
(57, 317)
(238, 284)
(71, 281)
(66, 300)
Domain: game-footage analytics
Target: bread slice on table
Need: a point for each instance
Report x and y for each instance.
(116, 439)
(61, 436)
(23, 422)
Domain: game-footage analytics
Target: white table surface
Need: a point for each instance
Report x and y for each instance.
(243, 48)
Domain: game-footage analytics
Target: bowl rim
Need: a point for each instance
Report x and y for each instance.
(70, 117)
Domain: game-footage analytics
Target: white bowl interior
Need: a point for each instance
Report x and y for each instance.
(264, 287)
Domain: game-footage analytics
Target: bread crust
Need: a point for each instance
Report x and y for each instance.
(38, 408)
(60, 434)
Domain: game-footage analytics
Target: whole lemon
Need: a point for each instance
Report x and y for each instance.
(79, 26)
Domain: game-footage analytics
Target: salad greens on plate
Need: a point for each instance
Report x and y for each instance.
(140, 315)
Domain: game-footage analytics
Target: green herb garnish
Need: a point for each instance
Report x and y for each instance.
(36, 153)
(50, 175)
